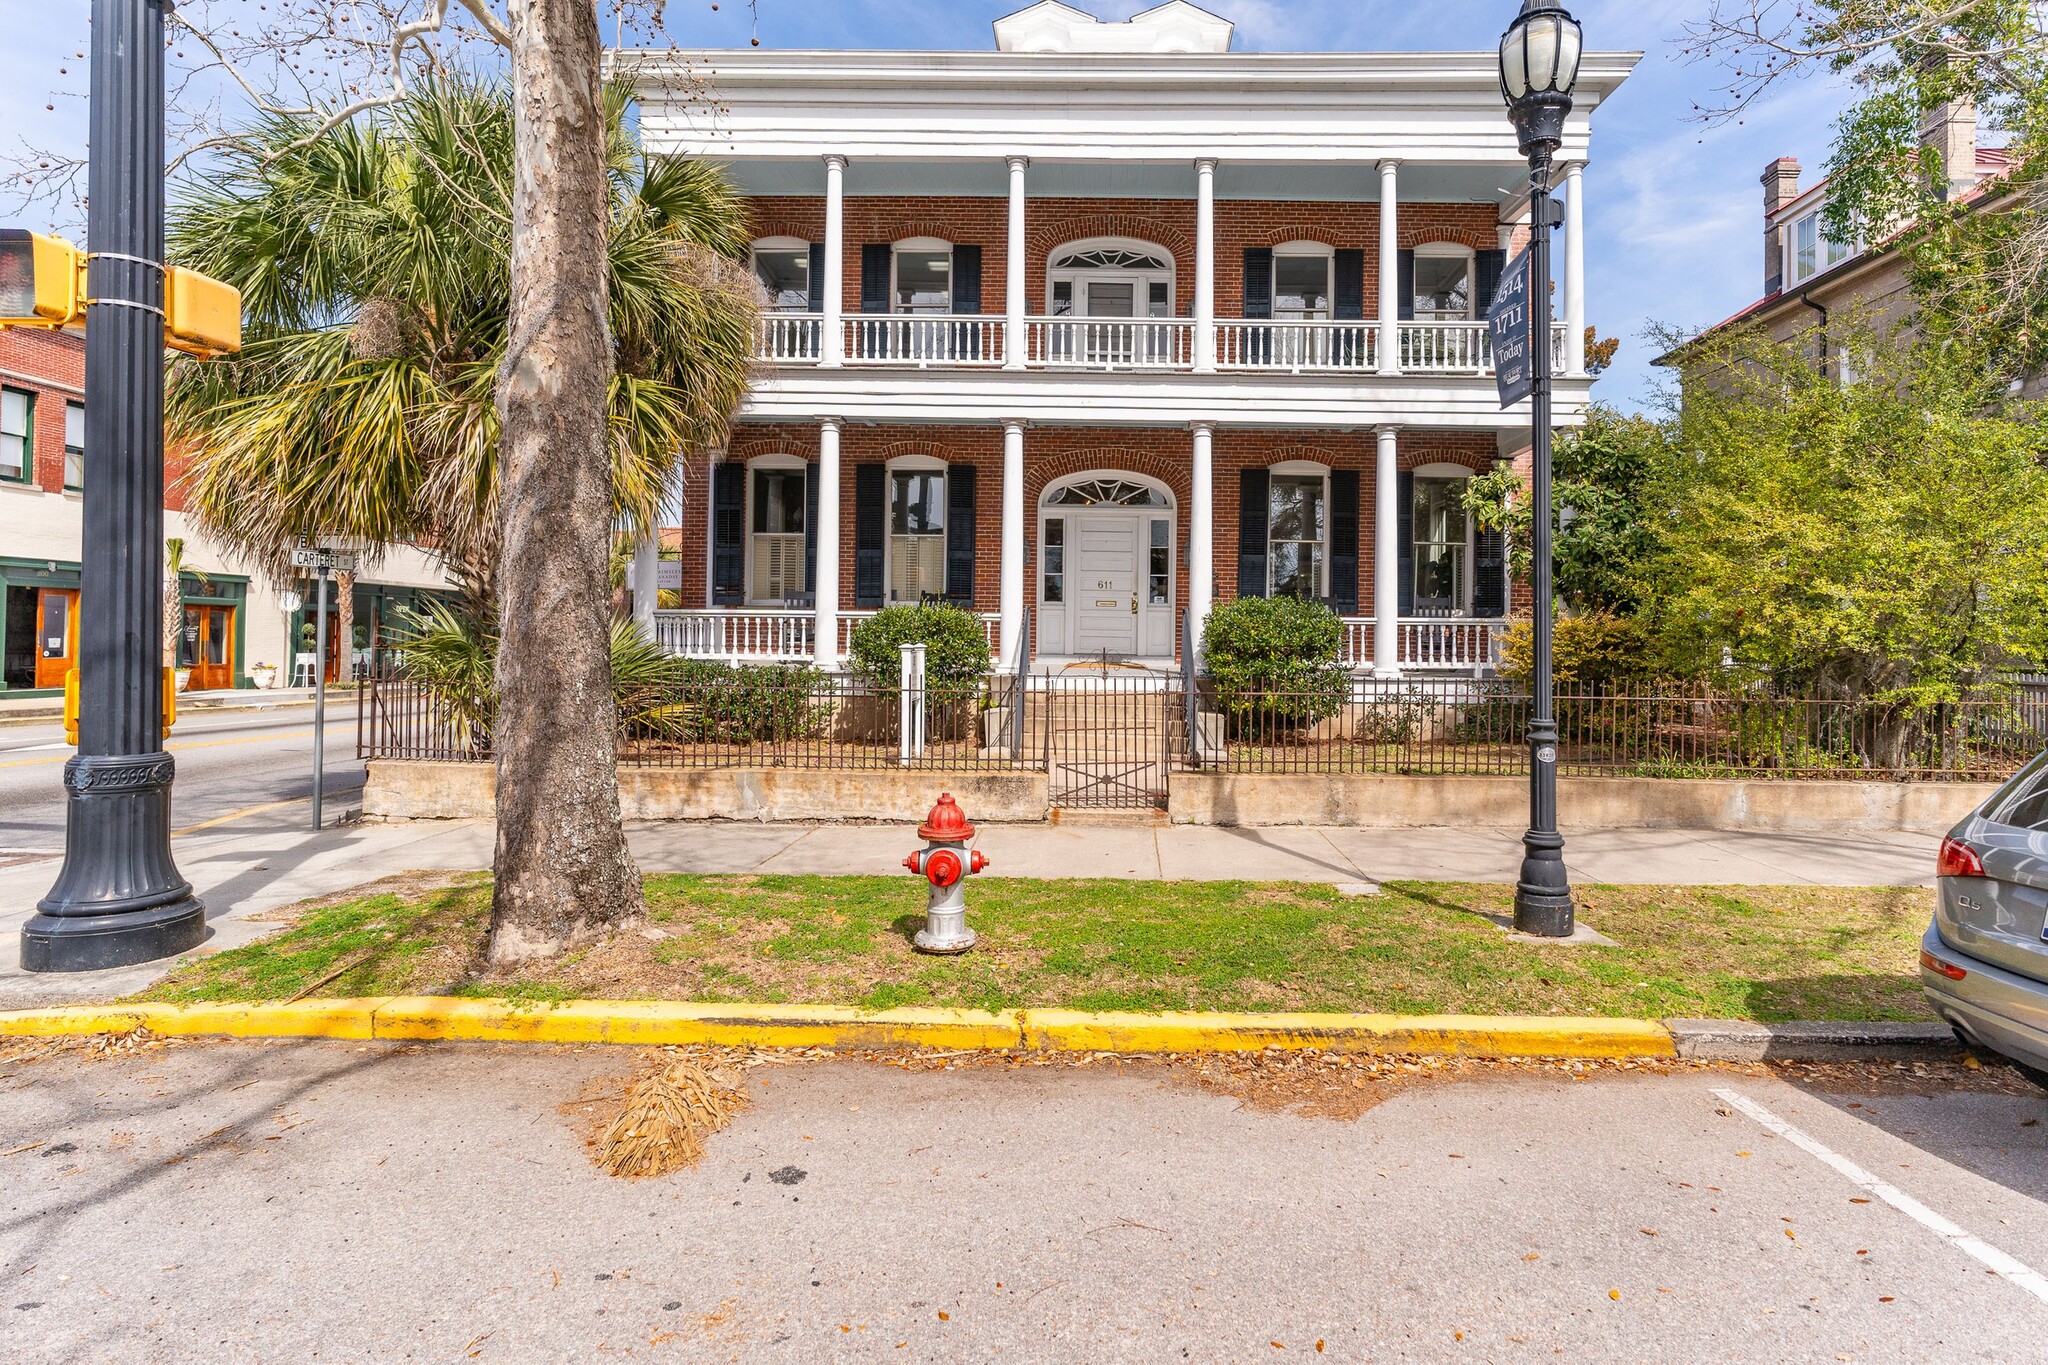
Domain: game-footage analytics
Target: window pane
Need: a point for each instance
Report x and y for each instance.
(1806, 235)
(786, 275)
(779, 501)
(1162, 301)
(74, 425)
(1062, 298)
(1297, 509)
(14, 445)
(13, 412)
(1442, 288)
(1301, 286)
(2028, 807)
(924, 281)
(1439, 517)
(917, 504)
(1296, 569)
(917, 567)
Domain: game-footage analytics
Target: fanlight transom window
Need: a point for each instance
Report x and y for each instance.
(1108, 258)
(1107, 493)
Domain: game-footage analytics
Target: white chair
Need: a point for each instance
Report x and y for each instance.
(304, 668)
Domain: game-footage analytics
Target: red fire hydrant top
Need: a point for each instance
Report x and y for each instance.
(946, 823)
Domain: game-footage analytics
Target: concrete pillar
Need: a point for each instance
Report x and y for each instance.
(1201, 531)
(1390, 268)
(1386, 557)
(1010, 589)
(647, 578)
(1575, 269)
(825, 627)
(1205, 265)
(833, 352)
(1014, 306)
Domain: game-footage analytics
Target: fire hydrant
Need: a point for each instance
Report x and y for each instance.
(946, 862)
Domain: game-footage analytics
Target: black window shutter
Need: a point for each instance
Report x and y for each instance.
(875, 259)
(960, 536)
(967, 279)
(1406, 296)
(1489, 574)
(811, 527)
(1349, 304)
(1344, 541)
(1258, 282)
(728, 535)
(1404, 538)
(1487, 266)
(870, 530)
(1253, 489)
(816, 302)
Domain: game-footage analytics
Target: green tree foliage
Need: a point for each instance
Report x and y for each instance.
(1885, 539)
(1274, 662)
(956, 655)
(373, 264)
(1602, 474)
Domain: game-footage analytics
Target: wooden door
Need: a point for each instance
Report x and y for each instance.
(56, 635)
(1104, 584)
(207, 647)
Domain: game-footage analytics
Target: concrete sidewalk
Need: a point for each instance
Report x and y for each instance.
(251, 867)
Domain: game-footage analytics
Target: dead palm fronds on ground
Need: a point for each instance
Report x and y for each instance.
(666, 1119)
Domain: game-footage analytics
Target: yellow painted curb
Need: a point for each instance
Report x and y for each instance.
(1456, 1035)
(657, 1022)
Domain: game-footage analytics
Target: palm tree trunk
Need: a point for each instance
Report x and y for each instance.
(345, 627)
(563, 873)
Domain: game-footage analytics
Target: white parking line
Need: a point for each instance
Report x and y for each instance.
(1983, 1252)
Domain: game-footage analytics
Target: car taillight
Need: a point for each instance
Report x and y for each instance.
(1958, 859)
(1936, 965)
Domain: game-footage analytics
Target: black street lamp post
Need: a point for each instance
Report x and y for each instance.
(119, 898)
(1539, 64)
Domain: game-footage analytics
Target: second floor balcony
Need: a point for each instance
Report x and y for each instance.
(1239, 345)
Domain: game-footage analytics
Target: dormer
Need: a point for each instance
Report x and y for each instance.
(1050, 26)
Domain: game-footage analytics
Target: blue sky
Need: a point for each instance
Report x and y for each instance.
(1674, 218)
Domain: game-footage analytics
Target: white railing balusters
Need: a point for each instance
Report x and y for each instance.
(925, 339)
(1111, 343)
(1297, 346)
(788, 338)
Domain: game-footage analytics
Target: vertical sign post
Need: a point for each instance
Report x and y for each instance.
(323, 563)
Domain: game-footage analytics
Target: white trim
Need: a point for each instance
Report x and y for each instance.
(930, 244)
(1390, 267)
(1142, 280)
(779, 244)
(1141, 561)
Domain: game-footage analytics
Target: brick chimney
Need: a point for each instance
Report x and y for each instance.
(1781, 187)
(1950, 131)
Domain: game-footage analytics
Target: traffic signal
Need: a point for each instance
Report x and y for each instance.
(42, 284)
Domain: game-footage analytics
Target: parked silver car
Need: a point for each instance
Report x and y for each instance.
(1984, 959)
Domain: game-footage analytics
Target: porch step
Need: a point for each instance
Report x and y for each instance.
(1092, 817)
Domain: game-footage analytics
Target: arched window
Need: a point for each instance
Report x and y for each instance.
(1109, 277)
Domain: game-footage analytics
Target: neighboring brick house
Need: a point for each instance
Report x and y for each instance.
(233, 618)
(1107, 325)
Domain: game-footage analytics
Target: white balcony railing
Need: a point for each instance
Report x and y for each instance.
(789, 338)
(1297, 347)
(948, 340)
(1460, 347)
(1111, 343)
(763, 634)
(1458, 642)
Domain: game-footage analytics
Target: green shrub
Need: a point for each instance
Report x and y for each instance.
(1274, 662)
(956, 656)
(1591, 650)
(719, 703)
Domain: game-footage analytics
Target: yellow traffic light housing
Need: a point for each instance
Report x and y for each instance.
(170, 703)
(42, 284)
(42, 280)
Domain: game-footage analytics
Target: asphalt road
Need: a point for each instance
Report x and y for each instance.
(229, 762)
(229, 1202)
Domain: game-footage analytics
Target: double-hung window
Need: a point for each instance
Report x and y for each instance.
(1811, 252)
(924, 280)
(1443, 283)
(785, 274)
(1301, 287)
(17, 440)
(1442, 582)
(778, 535)
(917, 534)
(1296, 535)
(74, 445)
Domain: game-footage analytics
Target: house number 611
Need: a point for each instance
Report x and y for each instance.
(1103, 585)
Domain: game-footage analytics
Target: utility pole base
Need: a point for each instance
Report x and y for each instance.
(1543, 914)
(96, 942)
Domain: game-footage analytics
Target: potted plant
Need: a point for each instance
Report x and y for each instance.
(263, 675)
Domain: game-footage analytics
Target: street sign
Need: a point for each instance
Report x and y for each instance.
(336, 561)
(1507, 323)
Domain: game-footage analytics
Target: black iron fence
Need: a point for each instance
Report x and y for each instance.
(1112, 737)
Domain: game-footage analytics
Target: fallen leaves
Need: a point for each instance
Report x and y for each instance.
(666, 1119)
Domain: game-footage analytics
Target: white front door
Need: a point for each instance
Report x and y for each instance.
(1103, 589)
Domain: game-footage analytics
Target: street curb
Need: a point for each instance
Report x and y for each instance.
(55, 711)
(1735, 1040)
(645, 1023)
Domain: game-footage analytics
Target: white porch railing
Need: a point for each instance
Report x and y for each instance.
(1111, 343)
(951, 339)
(1458, 642)
(1460, 347)
(1297, 347)
(789, 338)
(764, 634)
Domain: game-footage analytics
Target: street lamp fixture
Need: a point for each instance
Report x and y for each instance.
(1539, 65)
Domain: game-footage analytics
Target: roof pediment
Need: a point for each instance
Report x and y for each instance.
(1051, 26)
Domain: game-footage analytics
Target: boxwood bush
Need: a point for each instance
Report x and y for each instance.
(956, 656)
(717, 703)
(1273, 663)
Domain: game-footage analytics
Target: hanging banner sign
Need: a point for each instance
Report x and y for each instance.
(1507, 325)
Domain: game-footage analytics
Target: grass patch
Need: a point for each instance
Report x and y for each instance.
(1763, 953)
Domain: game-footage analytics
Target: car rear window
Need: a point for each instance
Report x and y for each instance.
(2027, 807)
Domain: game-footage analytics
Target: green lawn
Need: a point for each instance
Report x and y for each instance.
(1765, 953)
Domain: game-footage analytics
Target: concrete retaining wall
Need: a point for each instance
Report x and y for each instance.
(466, 791)
(1387, 802)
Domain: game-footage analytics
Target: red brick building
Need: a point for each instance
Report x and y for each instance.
(1106, 326)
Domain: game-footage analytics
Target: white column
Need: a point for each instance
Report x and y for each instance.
(1386, 557)
(1390, 268)
(710, 529)
(1010, 586)
(1205, 264)
(834, 350)
(1014, 265)
(1201, 531)
(647, 578)
(1575, 269)
(825, 626)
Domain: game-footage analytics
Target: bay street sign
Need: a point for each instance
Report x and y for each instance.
(1507, 324)
(334, 561)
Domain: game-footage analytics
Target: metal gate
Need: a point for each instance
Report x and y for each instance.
(1107, 740)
